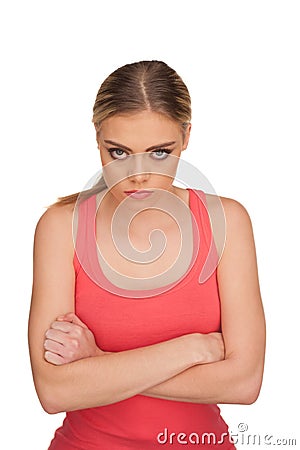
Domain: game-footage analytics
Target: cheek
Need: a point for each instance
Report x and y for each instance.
(161, 180)
(104, 157)
(116, 191)
(114, 174)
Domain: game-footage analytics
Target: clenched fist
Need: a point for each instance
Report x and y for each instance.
(69, 339)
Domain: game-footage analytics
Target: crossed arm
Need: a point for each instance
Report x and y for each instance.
(191, 368)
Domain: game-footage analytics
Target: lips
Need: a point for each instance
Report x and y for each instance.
(139, 191)
(139, 194)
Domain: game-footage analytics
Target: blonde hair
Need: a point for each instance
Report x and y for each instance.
(136, 87)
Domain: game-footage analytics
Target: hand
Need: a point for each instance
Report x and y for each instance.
(214, 347)
(210, 347)
(69, 339)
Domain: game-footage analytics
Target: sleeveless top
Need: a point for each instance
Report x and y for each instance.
(121, 322)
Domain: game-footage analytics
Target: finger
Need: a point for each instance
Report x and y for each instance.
(68, 317)
(71, 317)
(76, 320)
(70, 341)
(57, 335)
(52, 358)
(70, 329)
(67, 352)
(54, 347)
(66, 327)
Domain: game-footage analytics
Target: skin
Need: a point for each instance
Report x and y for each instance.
(135, 135)
(71, 372)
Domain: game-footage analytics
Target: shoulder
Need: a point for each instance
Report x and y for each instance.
(238, 221)
(234, 211)
(55, 216)
(55, 227)
(229, 219)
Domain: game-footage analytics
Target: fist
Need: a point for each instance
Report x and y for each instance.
(68, 339)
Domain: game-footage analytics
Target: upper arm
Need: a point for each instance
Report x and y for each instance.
(243, 323)
(53, 282)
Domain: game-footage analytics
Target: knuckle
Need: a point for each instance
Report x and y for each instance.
(74, 343)
(78, 331)
(70, 354)
(55, 325)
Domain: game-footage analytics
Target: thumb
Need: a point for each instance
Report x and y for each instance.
(71, 317)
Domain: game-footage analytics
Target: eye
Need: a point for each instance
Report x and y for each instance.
(161, 153)
(117, 153)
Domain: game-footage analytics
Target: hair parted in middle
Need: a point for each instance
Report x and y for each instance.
(136, 87)
(140, 86)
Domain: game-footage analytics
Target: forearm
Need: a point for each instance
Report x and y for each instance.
(219, 382)
(110, 378)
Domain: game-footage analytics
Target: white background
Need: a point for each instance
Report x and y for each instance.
(240, 60)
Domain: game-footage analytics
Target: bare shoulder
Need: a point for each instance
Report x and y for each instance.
(56, 225)
(55, 216)
(233, 210)
(238, 221)
(229, 220)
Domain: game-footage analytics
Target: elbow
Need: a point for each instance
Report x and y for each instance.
(249, 391)
(50, 408)
(245, 381)
(55, 406)
(250, 397)
(50, 398)
(50, 403)
(58, 397)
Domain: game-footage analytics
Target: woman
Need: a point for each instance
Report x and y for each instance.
(138, 336)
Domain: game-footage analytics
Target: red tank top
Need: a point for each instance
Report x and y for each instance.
(120, 322)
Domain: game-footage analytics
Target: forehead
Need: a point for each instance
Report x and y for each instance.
(143, 129)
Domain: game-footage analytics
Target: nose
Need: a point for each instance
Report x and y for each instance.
(137, 170)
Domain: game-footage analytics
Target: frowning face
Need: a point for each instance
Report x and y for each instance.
(139, 153)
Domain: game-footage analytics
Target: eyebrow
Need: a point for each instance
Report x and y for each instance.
(153, 147)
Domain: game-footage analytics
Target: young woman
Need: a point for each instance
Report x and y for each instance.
(135, 334)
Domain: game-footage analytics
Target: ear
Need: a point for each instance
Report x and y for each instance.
(187, 136)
